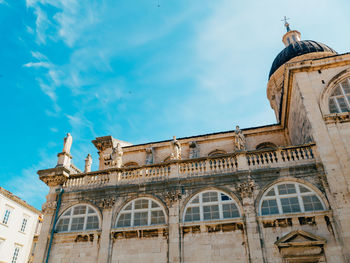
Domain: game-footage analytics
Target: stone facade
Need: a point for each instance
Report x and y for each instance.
(211, 201)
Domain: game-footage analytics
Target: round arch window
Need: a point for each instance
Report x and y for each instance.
(210, 205)
(78, 218)
(339, 101)
(141, 212)
(290, 197)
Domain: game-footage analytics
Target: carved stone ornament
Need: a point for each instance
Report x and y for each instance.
(171, 197)
(149, 155)
(67, 143)
(117, 156)
(49, 207)
(103, 143)
(246, 189)
(337, 117)
(239, 139)
(107, 203)
(175, 149)
(88, 163)
(194, 150)
(54, 176)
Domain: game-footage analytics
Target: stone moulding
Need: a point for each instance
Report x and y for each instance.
(73, 237)
(160, 231)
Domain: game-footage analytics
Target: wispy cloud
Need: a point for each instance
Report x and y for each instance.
(48, 81)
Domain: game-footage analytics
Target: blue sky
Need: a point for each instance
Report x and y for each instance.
(139, 72)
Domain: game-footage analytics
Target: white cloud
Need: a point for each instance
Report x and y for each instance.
(40, 64)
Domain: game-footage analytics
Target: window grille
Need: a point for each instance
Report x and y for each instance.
(141, 212)
(339, 101)
(24, 224)
(15, 255)
(290, 197)
(6, 216)
(210, 205)
(78, 218)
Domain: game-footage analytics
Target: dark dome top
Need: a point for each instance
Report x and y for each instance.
(297, 49)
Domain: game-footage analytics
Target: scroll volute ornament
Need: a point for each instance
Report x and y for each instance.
(171, 196)
(107, 203)
(246, 189)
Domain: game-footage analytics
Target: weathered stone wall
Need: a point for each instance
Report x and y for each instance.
(145, 250)
(79, 247)
(215, 247)
(299, 126)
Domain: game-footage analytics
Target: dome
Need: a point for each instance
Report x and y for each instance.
(297, 49)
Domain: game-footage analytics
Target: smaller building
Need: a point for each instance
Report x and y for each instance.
(19, 222)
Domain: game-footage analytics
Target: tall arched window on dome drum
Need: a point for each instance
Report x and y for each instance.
(290, 197)
(141, 212)
(78, 218)
(339, 101)
(210, 205)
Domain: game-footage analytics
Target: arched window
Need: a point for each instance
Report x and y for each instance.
(78, 218)
(290, 197)
(210, 205)
(339, 101)
(131, 164)
(266, 146)
(141, 212)
(217, 152)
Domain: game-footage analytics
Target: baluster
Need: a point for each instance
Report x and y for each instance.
(248, 159)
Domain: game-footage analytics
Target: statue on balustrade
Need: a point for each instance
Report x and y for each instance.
(150, 155)
(67, 143)
(117, 156)
(239, 139)
(194, 150)
(176, 149)
(88, 163)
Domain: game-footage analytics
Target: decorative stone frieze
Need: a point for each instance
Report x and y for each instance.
(337, 117)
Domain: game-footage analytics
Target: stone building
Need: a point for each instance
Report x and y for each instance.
(19, 223)
(277, 193)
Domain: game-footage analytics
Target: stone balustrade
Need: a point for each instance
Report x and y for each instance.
(223, 164)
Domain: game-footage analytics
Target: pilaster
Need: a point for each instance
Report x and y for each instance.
(107, 214)
(246, 190)
(54, 178)
(173, 202)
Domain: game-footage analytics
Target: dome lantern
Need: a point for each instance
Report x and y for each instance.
(291, 36)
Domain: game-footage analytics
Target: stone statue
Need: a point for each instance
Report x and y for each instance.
(150, 155)
(117, 156)
(176, 149)
(67, 143)
(194, 150)
(88, 163)
(239, 139)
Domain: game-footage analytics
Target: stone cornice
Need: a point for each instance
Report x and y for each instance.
(54, 176)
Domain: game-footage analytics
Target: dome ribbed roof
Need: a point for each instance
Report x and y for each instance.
(297, 49)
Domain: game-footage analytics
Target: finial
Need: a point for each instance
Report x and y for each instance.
(286, 24)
